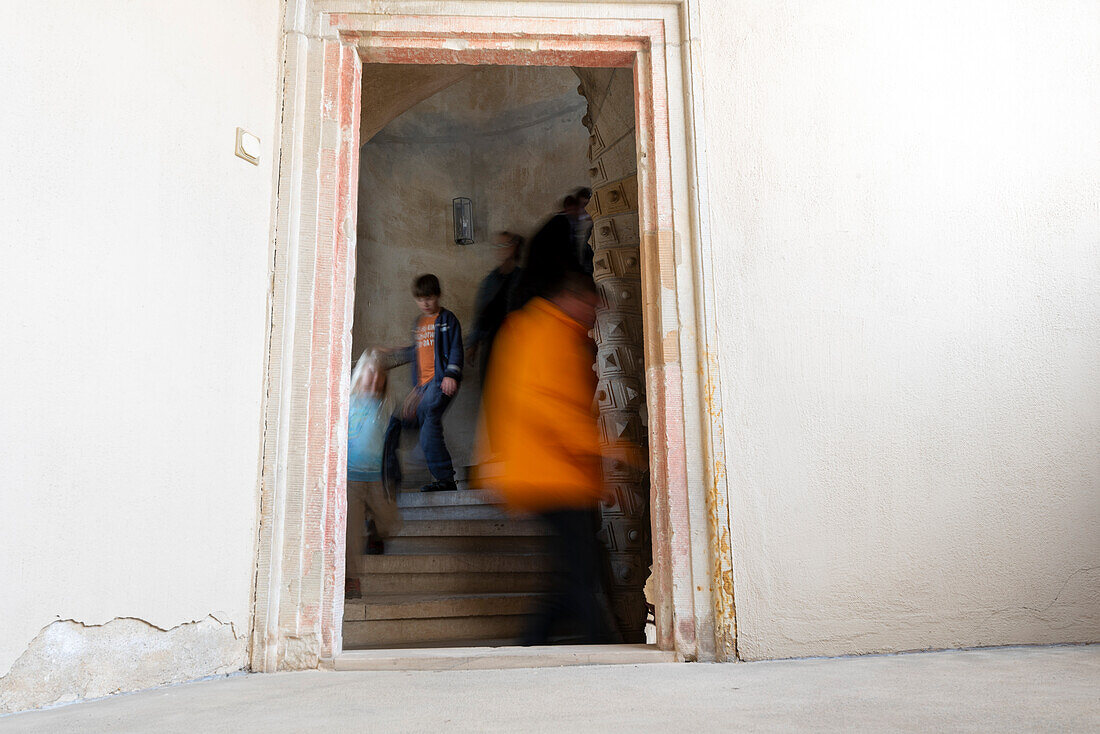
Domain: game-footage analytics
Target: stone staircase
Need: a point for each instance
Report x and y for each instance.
(459, 573)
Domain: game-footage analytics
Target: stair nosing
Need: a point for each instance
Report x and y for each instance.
(436, 563)
(504, 528)
(457, 498)
(399, 606)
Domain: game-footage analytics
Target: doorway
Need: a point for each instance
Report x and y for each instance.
(513, 142)
(300, 571)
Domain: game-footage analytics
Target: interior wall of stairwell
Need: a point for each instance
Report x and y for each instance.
(509, 138)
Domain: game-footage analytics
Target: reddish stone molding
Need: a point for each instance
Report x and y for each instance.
(300, 570)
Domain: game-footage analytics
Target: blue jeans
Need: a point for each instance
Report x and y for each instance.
(429, 419)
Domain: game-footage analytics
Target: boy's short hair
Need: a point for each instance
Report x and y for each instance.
(426, 286)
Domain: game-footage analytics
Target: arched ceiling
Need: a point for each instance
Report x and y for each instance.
(390, 89)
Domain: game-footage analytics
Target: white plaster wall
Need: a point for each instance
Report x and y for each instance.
(905, 208)
(135, 269)
(510, 139)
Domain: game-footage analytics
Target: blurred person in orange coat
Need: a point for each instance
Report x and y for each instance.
(546, 459)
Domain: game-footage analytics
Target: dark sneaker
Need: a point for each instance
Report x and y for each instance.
(440, 486)
(374, 542)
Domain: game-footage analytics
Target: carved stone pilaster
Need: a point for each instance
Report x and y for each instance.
(618, 333)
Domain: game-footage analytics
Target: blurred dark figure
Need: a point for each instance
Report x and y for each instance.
(555, 250)
(582, 228)
(546, 452)
(496, 297)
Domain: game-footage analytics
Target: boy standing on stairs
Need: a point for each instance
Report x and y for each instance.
(436, 357)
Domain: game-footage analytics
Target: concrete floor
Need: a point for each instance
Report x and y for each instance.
(1004, 689)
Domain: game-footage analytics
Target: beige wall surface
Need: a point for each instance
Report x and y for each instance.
(135, 271)
(905, 221)
(510, 139)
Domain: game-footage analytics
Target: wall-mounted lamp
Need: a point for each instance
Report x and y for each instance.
(464, 221)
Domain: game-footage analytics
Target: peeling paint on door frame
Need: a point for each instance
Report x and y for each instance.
(300, 567)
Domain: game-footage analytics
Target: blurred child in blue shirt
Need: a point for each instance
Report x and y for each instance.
(368, 415)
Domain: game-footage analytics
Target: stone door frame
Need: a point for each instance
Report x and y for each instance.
(300, 547)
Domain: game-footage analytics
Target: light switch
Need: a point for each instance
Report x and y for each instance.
(248, 146)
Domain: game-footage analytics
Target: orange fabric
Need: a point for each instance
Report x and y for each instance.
(425, 348)
(545, 452)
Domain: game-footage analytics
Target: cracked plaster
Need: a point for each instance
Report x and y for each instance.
(69, 661)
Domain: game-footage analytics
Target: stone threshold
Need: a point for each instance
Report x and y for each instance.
(499, 658)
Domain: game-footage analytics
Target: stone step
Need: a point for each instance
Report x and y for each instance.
(465, 573)
(440, 499)
(452, 583)
(488, 544)
(432, 606)
(485, 563)
(473, 642)
(453, 512)
(413, 482)
(443, 630)
(488, 642)
(496, 528)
